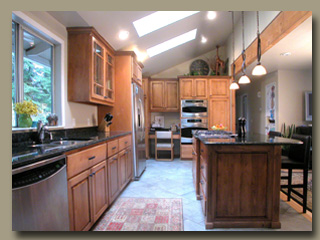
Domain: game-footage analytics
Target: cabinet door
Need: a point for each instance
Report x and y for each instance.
(219, 88)
(79, 192)
(129, 160)
(109, 78)
(186, 88)
(219, 112)
(113, 178)
(171, 96)
(98, 70)
(122, 168)
(200, 88)
(99, 189)
(157, 95)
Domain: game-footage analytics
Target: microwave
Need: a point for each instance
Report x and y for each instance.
(193, 108)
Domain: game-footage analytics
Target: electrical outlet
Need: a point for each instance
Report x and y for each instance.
(73, 122)
(88, 121)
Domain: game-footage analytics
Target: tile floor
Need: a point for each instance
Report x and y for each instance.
(174, 180)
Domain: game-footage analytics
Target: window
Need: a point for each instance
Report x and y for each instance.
(32, 71)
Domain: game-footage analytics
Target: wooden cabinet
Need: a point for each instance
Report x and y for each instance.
(164, 95)
(136, 71)
(219, 87)
(196, 165)
(219, 112)
(90, 67)
(88, 197)
(191, 88)
(113, 178)
(125, 167)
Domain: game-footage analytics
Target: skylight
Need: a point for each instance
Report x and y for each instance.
(171, 43)
(159, 20)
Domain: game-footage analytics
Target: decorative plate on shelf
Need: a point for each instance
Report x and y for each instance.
(199, 67)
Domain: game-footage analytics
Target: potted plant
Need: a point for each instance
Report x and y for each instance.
(287, 132)
(25, 109)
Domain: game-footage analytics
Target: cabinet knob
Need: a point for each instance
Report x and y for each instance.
(114, 148)
(202, 167)
(105, 97)
(93, 157)
(202, 182)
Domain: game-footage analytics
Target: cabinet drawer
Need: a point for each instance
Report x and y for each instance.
(124, 142)
(113, 147)
(85, 159)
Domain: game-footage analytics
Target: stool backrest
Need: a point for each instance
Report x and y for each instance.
(300, 153)
(273, 134)
(163, 134)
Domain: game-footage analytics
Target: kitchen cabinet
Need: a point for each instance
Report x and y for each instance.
(219, 87)
(219, 112)
(193, 88)
(136, 71)
(88, 197)
(90, 67)
(113, 177)
(164, 95)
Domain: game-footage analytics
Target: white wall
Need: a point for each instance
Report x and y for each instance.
(250, 30)
(74, 114)
(183, 68)
(292, 86)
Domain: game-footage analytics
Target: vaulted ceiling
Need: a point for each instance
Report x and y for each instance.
(110, 23)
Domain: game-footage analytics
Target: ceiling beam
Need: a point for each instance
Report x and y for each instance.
(284, 23)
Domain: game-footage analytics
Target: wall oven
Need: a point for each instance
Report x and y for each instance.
(193, 108)
(190, 124)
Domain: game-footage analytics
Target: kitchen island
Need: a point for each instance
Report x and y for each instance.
(238, 179)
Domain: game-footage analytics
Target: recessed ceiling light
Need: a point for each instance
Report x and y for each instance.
(158, 20)
(285, 54)
(203, 39)
(171, 43)
(123, 35)
(211, 15)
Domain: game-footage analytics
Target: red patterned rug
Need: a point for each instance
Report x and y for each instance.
(142, 214)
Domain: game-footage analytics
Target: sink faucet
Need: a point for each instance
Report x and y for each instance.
(41, 129)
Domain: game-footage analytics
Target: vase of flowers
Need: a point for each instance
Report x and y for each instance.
(25, 109)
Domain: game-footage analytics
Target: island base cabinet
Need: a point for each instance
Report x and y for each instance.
(88, 197)
(240, 185)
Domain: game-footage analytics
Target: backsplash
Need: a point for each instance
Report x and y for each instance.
(26, 138)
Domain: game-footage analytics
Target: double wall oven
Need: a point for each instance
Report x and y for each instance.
(194, 116)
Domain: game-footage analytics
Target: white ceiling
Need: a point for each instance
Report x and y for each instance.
(109, 23)
(298, 42)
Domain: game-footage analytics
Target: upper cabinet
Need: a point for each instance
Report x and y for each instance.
(164, 95)
(137, 71)
(219, 87)
(191, 88)
(90, 67)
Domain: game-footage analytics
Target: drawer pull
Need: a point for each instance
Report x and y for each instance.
(202, 167)
(114, 148)
(126, 142)
(114, 158)
(93, 157)
(201, 150)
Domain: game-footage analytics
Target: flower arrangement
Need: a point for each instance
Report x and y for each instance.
(26, 107)
(219, 127)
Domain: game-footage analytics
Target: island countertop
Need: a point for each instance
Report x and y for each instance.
(227, 138)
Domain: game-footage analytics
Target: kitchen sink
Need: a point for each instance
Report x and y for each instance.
(57, 144)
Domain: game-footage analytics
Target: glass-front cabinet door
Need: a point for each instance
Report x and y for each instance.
(98, 70)
(109, 90)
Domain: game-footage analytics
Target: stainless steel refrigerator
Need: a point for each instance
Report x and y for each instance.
(138, 126)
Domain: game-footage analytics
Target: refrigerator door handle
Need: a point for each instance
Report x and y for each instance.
(142, 115)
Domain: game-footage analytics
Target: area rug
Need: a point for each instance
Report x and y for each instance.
(297, 178)
(143, 214)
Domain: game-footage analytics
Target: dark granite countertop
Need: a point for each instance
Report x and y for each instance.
(24, 155)
(227, 138)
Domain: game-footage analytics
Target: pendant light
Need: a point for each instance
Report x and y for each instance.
(244, 79)
(234, 85)
(259, 69)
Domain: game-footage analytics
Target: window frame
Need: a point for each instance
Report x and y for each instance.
(25, 23)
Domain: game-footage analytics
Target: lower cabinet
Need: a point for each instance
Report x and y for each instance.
(95, 181)
(88, 197)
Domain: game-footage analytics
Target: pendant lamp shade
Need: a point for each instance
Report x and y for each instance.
(244, 79)
(234, 86)
(259, 69)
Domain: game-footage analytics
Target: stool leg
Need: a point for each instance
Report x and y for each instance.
(305, 189)
(289, 183)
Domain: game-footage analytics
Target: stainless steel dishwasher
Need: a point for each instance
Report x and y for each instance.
(40, 196)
